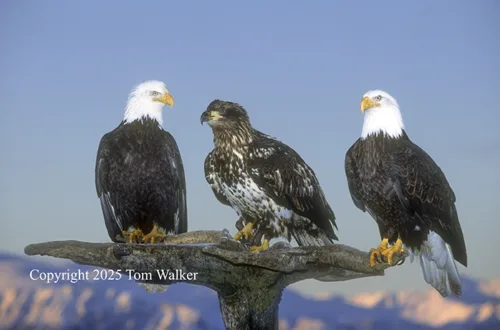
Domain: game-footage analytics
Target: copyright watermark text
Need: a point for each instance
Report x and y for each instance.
(75, 276)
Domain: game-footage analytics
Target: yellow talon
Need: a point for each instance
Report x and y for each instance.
(154, 235)
(259, 248)
(397, 248)
(376, 253)
(246, 232)
(133, 236)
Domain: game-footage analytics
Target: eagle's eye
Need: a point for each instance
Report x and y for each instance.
(377, 98)
(155, 93)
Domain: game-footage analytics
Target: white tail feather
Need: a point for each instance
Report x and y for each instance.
(438, 265)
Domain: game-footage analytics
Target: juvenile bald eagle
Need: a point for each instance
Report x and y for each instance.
(139, 174)
(265, 181)
(406, 193)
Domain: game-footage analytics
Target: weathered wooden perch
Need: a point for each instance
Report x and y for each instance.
(249, 284)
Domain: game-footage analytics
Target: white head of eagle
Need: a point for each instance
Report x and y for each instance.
(381, 114)
(147, 101)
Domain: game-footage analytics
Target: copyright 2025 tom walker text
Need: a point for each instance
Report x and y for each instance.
(74, 276)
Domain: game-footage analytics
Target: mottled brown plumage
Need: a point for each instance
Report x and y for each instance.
(265, 181)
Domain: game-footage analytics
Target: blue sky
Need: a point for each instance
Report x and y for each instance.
(300, 70)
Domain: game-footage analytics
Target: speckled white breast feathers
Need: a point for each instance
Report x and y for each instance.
(247, 198)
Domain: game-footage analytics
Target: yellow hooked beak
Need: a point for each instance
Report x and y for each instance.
(210, 116)
(165, 98)
(367, 103)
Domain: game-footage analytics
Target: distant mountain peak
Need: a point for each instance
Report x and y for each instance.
(490, 287)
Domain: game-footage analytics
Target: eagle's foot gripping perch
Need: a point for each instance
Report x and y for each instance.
(260, 248)
(133, 236)
(384, 250)
(396, 249)
(375, 254)
(154, 236)
(246, 232)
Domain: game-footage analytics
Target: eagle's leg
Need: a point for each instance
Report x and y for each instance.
(133, 236)
(259, 248)
(397, 248)
(154, 235)
(246, 232)
(257, 238)
(239, 224)
(377, 253)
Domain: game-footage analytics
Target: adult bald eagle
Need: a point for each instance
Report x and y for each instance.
(265, 181)
(406, 193)
(139, 175)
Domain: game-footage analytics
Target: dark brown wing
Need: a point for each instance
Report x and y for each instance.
(179, 201)
(290, 182)
(109, 201)
(353, 177)
(422, 188)
(210, 177)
